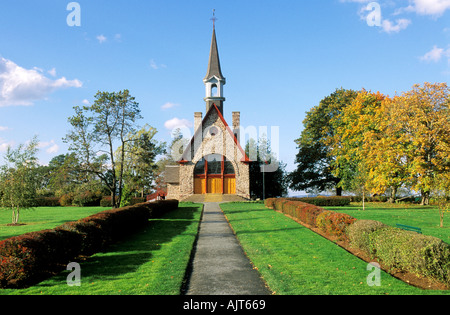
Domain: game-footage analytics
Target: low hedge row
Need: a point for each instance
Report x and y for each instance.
(330, 222)
(335, 201)
(423, 255)
(32, 257)
(397, 249)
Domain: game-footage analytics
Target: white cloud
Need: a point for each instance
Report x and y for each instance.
(85, 102)
(156, 66)
(52, 72)
(436, 54)
(21, 87)
(433, 55)
(101, 39)
(435, 8)
(169, 105)
(5, 144)
(177, 123)
(3, 128)
(390, 27)
(51, 147)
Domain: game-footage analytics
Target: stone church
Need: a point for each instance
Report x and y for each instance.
(214, 161)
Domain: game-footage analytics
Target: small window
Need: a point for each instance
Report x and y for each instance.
(214, 91)
(213, 131)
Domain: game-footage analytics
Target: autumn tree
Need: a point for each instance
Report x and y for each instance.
(422, 117)
(354, 130)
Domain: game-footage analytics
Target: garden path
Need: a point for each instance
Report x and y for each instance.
(220, 266)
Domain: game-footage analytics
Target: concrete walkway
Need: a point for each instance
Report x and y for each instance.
(220, 266)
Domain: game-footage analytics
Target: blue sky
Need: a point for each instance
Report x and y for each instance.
(280, 59)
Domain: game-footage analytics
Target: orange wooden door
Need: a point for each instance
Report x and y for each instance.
(229, 186)
(199, 186)
(214, 186)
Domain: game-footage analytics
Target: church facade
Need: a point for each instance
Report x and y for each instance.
(214, 161)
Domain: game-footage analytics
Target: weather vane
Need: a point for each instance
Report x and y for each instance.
(214, 19)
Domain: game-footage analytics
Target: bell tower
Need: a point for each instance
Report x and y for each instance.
(214, 80)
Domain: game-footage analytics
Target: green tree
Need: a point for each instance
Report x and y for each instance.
(98, 130)
(18, 180)
(314, 159)
(140, 159)
(262, 182)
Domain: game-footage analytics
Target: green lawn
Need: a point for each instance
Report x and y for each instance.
(296, 261)
(425, 217)
(42, 219)
(151, 262)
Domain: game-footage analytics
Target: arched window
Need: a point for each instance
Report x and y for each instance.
(214, 90)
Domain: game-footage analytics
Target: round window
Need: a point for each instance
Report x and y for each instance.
(213, 131)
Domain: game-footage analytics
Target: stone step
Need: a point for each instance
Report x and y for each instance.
(214, 198)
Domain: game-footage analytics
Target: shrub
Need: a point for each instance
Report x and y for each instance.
(423, 255)
(87, 199)
(306, 213)
(333, 223)
(106, 201)
(66, 200)
(335, 201)
(278, 204)
(47, 202)
(33, 256)
(30, 258)
(359, 233)
(270, 203)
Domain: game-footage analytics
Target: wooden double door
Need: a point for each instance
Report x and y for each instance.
(214, 175)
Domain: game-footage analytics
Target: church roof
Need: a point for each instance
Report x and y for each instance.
(198, 133)
(214, 69)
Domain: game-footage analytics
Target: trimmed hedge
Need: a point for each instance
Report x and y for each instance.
(359, 233)
(32, 257)
(306, 213)
(423, 255)
(334, 223)
(335, 201)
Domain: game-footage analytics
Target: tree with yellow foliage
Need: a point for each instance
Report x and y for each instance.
(421, 118)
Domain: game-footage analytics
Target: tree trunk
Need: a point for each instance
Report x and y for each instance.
(425, 198)
(338, 191)
(393, 194)
(363, 199)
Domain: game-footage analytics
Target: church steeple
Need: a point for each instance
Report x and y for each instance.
(214, 61)
(214, 79)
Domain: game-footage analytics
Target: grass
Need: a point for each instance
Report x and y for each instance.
(42, 219)
(424, 217)
(293, 260)
(151, 262)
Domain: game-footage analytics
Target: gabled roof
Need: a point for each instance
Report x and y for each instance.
(199, 131)
(214, 69)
